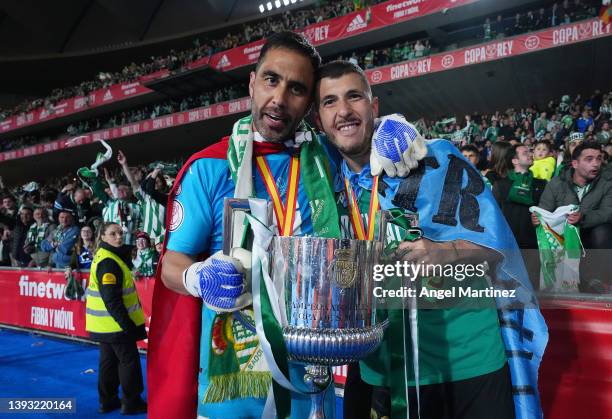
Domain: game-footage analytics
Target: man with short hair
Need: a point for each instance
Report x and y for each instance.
(39, 230)
(462, 359)
(271, 154)
(62, 241)
(589, 186)
(20, 258)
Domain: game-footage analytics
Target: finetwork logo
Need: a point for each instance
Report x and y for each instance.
(357, 23)
(224, 62)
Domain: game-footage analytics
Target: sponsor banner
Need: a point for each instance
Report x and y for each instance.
(163, 122)
(491, 51)
(77, 104)
(375, 17)
(36, 299)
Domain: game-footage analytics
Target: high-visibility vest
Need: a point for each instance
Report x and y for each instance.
(97, 317)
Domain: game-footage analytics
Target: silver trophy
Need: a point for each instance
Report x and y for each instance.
(327, 289)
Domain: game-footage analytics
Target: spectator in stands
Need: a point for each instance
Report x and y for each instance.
(9, 206)
(604, 135)
(19, 257)
(589, 187)
(498, 166)
(39, 230)
(515, 193)
(564, 160)
(75, 199)
(584, 122)
(145, 258)
(61, 242)
(487, 30)
(84, 248)
(542, 20)
(153, 213)
(5, 246)
(543, 161)
(120, 209)
(530, 21)
(498, 27)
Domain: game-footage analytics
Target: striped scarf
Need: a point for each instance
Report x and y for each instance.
(36, 234)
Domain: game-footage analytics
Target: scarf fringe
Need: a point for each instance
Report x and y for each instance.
(238, 385)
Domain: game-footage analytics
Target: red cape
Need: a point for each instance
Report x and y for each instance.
(173, 352)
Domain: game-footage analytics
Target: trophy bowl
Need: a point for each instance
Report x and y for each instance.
(326, 286)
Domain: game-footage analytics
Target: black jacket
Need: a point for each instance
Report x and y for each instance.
(20, 232)
(518, 215)
(112, 295)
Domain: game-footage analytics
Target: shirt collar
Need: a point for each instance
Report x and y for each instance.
(358, 181)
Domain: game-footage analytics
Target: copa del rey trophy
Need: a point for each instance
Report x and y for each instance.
(325, 288)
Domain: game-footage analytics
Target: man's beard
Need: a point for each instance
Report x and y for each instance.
(269, 134)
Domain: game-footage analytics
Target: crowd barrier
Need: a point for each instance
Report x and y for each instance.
(575, 377)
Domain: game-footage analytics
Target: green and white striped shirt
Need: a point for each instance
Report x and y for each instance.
(126, 214)
(153, 215)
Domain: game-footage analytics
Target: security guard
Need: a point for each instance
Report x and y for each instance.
(115, 318)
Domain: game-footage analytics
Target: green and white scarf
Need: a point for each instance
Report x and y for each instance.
(143, 263)
(229, 377)
(36, 234)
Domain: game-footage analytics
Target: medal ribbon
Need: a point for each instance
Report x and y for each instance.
(285, 214)
(355, 215)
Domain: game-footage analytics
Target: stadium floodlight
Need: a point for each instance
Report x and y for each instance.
(293, 1)
(269, 5)
(277, 3)
(262, 8)
(286, 2)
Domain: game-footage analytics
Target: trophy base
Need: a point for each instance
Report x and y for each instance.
(331, 347)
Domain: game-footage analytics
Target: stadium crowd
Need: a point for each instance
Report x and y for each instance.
(204, 47)
(54, 224)
(556, 14)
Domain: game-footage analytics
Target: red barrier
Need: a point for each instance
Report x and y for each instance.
(35, 299)
(576, 373)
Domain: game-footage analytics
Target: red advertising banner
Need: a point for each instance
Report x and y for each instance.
(491, 51)
(35, 299)
(509, 47)
(331, 30)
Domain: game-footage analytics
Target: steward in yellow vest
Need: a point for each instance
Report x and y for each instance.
(115, 318)
(113, 312)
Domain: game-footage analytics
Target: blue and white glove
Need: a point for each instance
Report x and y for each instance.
(222, 282)
(397, 146)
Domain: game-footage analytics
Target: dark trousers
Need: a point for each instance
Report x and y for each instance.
(483, 397)
(119, 364)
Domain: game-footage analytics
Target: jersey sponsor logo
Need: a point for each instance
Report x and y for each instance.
(356, 24)
(178, 215)
(109, 279)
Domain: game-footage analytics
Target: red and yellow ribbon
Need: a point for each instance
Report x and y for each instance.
(355, 215)
(285, 214)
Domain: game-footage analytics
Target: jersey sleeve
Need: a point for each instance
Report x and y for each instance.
(192, 221)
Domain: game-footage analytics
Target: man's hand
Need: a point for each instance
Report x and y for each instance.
(121, 158)
(397, 147)
(108, 177)
(427, 251)
(221, 281)
(534, 219)
(574, 218)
